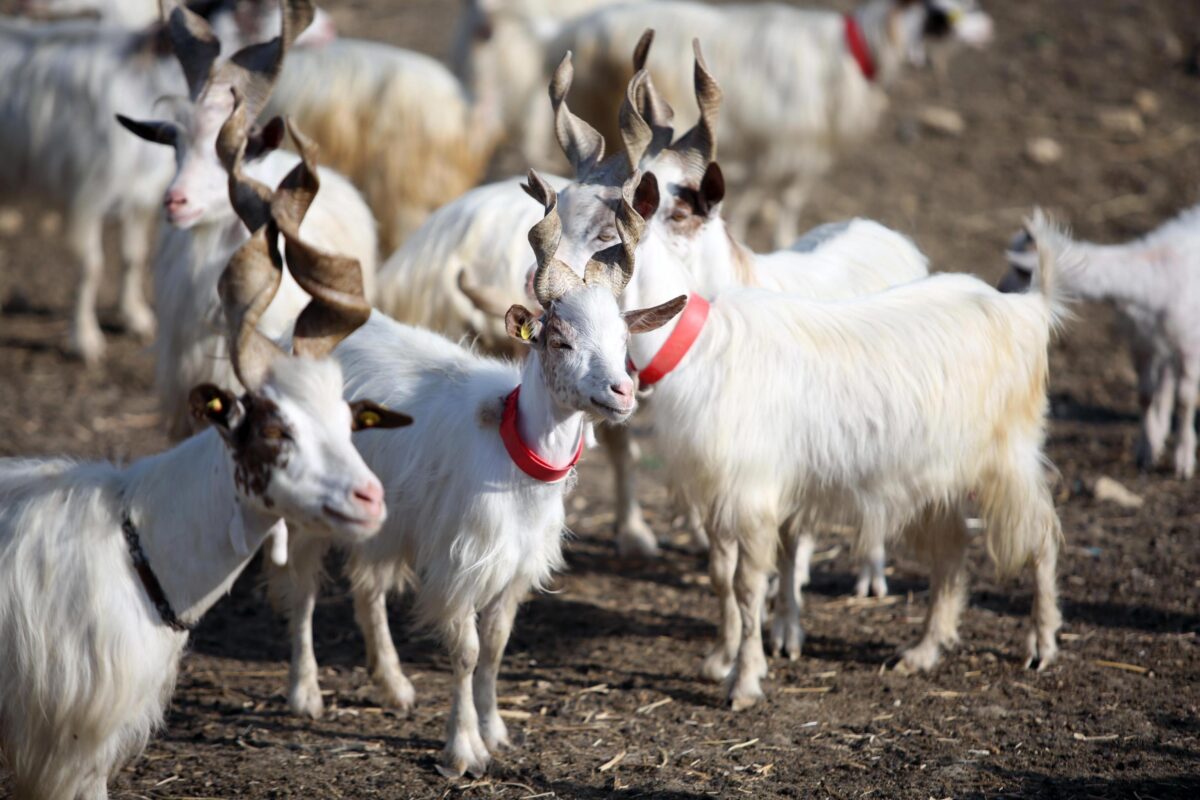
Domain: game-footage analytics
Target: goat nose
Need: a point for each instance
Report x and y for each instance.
(623, 389)
(370, 497)
(175, 199)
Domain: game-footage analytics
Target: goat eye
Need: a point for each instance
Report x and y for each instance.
(607, 235)
(678, 215)
(274, 433)
(559, 344)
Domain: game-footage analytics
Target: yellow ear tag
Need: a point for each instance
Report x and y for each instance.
(368, 419)
(954, 15)
(214, 405)
(526, 331)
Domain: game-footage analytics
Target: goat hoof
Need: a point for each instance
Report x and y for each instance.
(397, 691)
(787, 638)
(1185, 464)
(716, 667)
(87, 344)
(140, 322)
(460, 758)
(636, 541)
(741, 698)
(921, 658)
(495, 734)
(305, 701)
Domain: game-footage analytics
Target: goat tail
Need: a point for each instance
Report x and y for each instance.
(1052, 246)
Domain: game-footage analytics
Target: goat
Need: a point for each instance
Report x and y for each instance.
(1155, 283)
(497, 53)
(397, 123)
(204, 227)
(477, 501)
(60, 85)
(468, 250)
(892, 411)
(255, 20)
(104, 570)
(806, 83)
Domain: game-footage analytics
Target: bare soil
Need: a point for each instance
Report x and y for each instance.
(600, 679)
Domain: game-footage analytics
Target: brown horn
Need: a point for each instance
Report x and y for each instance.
(247, 287)
(251, 199)
(654, 108)
(613, 266)
(553, 278)
(339, 305)
(699, 145)
(636, 133)
(582, 144)
(254, 69)
(196, 46)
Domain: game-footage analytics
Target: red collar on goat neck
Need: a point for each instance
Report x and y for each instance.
(687, 330)
(856, 43)
(530, 462)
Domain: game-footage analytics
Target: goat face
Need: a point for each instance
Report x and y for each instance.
(581, 341)
(917, 23)
(292, 451)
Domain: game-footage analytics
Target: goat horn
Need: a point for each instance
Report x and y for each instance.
(553, 278)
(636, 133)
(250, 198)
(582, 144)
(254, 69)
(339, 305)
(613, 266)
(654, 108)
(196, 46)
(699, 145)
(247, 287)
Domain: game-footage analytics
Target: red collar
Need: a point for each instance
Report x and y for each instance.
(691, 321)
(530, 462)
(856, 43)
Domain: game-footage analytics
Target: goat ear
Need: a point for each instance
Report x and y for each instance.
(712, 189)
(646, 197)
(522, 325)
(217, 407)
(157, 132)
(265, 139)
(644, 320)
(366, 414)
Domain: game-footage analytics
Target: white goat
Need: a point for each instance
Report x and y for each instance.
(475, 244)
(60, 85)
(1155, 283)
(205, 229)
(477, 507)
(498, 53)
(257, 20)
(397, 123)
(104, 570)
(892, 412)
(804, 83)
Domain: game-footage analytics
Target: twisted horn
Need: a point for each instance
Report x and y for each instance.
(654, 108)
(339, 305)
(613, 266)
(196, 46)
(582, 144)
(553, 278)
(251, 199)
(254, 69)
(636, 133)
(246, 288)
(699, 145)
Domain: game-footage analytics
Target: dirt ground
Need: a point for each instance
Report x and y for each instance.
(599, 683)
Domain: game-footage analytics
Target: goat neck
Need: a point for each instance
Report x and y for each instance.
(548, 428)
(184, 524)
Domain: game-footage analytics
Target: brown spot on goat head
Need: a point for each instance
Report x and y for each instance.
(259, 445)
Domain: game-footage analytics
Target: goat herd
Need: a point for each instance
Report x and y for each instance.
(323, 402)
